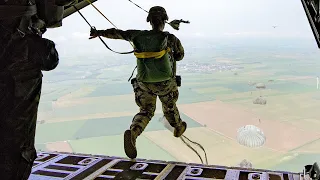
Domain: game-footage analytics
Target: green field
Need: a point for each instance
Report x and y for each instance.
(103, 145)
(79, 129)
(291, 96)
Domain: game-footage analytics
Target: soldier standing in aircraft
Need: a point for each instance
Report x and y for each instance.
(23, 55)
(157, 52)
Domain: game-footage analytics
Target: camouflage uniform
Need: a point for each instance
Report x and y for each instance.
(146, 93)
(20, 89)
(146, 96)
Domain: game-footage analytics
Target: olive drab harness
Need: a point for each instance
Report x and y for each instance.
(175, 25)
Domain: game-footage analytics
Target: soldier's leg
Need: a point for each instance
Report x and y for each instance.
(15, 164)
(171, 112)
(146, 101)
(17, 137)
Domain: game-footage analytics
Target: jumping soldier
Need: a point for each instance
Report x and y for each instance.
(157, 52)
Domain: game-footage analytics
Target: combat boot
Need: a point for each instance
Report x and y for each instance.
(130, 143)
(179, 130)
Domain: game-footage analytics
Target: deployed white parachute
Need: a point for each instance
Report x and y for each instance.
(250, 136)
(260, 100)
(260, 86)
(245, 164)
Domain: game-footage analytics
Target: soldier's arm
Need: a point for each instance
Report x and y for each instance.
(178, 50)
(117, 34)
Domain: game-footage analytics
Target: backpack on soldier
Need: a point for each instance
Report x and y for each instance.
(153, 69)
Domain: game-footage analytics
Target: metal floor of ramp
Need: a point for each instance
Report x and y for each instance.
(58, 166)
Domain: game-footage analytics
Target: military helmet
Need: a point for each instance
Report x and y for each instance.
(157, 11)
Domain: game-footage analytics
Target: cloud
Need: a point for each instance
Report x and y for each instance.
(56, 39)
(60, 39)
(267, 34)
(246, 34)
(188, 35)
(80, 35)
(199, 34)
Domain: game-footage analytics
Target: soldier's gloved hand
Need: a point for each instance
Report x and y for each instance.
(93, 33)
(175, 24)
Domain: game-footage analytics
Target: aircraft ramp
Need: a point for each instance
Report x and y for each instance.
(58, 166)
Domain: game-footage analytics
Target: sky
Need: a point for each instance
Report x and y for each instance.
(210, 19)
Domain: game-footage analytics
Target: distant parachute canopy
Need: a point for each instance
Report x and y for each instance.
(260, 86)
(245, 164)
(260, 100)
(251, 83)
(250, 136)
